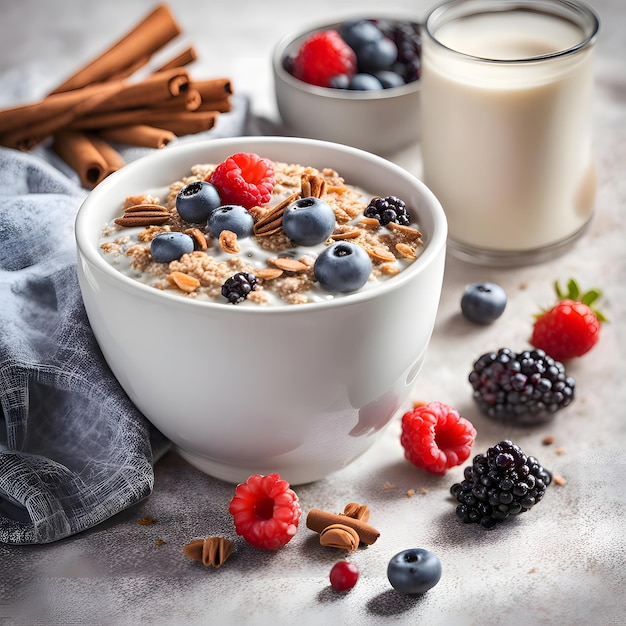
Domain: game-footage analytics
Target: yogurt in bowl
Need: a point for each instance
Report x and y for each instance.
(301, 390)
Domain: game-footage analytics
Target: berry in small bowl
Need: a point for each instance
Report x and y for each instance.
(354, 82)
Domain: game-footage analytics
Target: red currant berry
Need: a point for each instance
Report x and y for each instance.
(343, 575)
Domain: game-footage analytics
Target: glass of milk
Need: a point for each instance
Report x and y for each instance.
(506, 125)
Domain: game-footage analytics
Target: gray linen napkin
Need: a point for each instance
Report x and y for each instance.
(73, 449)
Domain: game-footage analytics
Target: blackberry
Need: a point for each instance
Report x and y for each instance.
(501, 483)
(236, 288)
(523, 388)
(389, 209)
(408, 39)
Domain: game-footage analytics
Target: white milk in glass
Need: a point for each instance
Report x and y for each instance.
(506, 137)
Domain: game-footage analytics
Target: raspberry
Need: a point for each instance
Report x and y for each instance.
(324, 55)
(520, 388)
(265, 511)
(501, 483)
(245, 179)
(435, 437)
(571, 327)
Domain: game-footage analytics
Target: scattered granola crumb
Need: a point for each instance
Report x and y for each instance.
(146, 521)
(532, 570)
(560, 451)
(159, 542)
(410, 493)
(388, 485)
(559, 480)
(548, 440)
(523, 285)
(424, 491)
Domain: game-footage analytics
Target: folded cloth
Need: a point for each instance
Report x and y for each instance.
(74, 450)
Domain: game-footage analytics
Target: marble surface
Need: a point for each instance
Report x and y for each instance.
(562, 563)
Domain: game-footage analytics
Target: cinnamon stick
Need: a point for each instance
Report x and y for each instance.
(138, 135)
(24, 126)
(178, 122)
(213, 88)
(185, 57)
(223, 105)
(318, 520)
(156, 88)
(92, 158)
(138, 45)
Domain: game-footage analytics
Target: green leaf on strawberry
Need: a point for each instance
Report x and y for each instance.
(571, 327)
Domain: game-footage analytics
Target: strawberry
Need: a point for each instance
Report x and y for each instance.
(571, 327)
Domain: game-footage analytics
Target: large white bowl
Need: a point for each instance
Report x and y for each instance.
(301, 390)
(381, 122)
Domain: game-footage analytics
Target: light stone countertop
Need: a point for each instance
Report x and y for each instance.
(563, 563)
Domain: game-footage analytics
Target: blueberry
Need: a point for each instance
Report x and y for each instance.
(342, 267)
(377, 55)
(389, 79)
(308, 221)
(231, 217)
(196, 201)
(358, 32)
(339, 81)
(166, 247)
(364, 82)
(415, 570)
(483, 303)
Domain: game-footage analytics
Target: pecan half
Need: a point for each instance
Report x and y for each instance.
(228, 242)
(146, 214)
(340, 536)
(357, 511)
(211, 552)
(271, 222)
(198, 237)
(312, 185)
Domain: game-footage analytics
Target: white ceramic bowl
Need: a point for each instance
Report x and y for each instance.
(381, 122)
(301, 390)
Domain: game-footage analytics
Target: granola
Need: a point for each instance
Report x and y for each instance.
(284, 271)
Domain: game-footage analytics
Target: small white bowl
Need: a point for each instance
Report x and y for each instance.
(301, 390)
(382, 122)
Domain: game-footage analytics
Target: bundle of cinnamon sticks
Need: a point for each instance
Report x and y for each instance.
(104, 102)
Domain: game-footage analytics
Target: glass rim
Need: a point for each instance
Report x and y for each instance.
(548, 7)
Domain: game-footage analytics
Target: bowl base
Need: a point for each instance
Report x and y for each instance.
(223, 471)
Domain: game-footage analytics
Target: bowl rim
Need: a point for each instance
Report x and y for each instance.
(83, 226)
(327, 92)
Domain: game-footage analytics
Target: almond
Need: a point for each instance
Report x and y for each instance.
(289, 265)
(409, 231)
(183, 281)
(268, 273)
(378, 253)
(406, 251)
